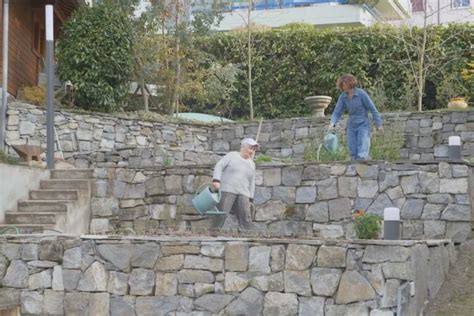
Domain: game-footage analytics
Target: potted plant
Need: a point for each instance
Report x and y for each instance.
(317, 104)
(457, 103)
(453, 90)
(366, 226)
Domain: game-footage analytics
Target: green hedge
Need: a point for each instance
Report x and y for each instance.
(298, 61)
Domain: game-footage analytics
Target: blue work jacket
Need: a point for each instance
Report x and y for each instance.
(358, 108)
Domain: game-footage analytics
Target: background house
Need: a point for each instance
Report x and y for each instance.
(320, 13)
(441, 12)
(27, 38)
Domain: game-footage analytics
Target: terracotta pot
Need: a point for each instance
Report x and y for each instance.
(457, 104)
(318, 103)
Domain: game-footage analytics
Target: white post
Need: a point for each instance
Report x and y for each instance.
(454, 148)
(50, 89)
(391, 223)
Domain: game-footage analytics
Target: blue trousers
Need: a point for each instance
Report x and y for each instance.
(358, 140)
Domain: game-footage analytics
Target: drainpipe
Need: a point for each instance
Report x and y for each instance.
(3, 114)
(50, 89)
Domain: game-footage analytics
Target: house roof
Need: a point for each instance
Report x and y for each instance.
(63, 8)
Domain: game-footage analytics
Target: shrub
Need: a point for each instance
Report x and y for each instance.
(297, 61)
(34, 95)
(94, 53)
(366, 226)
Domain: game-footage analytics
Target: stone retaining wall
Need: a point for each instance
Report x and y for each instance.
(64, 275)
(94, 139)
(294, 200)
(90, 140)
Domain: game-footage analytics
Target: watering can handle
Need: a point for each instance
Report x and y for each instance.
(202, 186)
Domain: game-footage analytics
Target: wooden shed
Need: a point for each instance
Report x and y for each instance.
(27, 49)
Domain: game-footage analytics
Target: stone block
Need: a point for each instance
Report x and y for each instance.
(324, 281)
(353, 287)
(259, 259)
(318, 212)
(305, 194)
(327, 189)
(141, 282)
(311, 306)
(236, 256)
(331, 257)
(214, 303)
(53, 302)
(280, 304)
(299, 257)
(94, 279)
(117, 283)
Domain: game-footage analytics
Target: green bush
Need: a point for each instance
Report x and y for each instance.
(94, 53)
(367, 226)
(294, 62)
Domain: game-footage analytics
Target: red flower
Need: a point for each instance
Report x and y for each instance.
(357, 213)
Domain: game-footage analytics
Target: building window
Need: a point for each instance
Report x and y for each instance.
(418, 5)
(460, 3)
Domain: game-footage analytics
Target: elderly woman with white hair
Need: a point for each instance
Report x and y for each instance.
(234, 176)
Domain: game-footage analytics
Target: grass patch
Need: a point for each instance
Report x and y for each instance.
(262, 159)
(383, 147)
(4, 158)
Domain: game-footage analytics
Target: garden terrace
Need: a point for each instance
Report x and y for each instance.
(299, 200)
(99, 275)
(90, 140)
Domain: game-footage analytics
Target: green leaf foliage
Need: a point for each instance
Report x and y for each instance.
(94, 53)
(297, 61)
(367, 226)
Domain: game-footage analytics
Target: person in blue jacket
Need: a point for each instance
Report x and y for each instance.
(358, 103)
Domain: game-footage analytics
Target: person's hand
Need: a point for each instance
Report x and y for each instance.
(216, 185)
(380, 129)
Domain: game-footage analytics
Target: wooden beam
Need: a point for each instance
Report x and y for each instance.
(60, 14)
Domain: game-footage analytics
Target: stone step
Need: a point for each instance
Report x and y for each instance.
(31, 218)
(12, 229)
(53, 195)
(72, 174)
(42, 206)
(65, 184)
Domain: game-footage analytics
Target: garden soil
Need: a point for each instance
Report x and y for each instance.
(456, 296)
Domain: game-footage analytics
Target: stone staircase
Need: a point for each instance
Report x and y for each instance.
(62, 203)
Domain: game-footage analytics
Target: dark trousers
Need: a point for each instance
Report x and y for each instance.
(238, 205)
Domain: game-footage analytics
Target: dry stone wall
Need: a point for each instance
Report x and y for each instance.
(90, 140)
(64, 275)
(294, 200)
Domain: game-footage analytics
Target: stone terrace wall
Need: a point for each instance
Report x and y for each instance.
(100, 276)
(89, 140)
(294, 200)
(97, 140)
(425, 134)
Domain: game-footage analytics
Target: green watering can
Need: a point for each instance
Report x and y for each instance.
(205, 201)
(330, 142)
